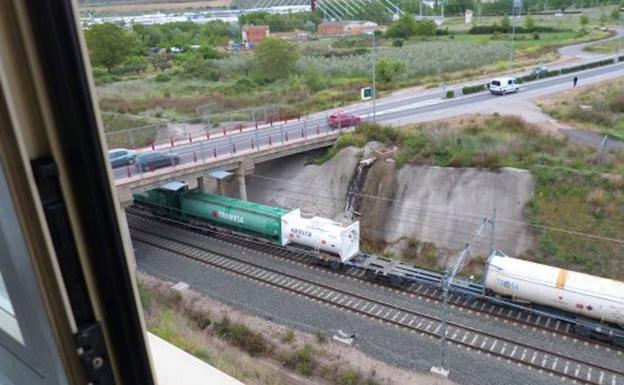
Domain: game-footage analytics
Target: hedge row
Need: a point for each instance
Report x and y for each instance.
(527, 78)
(472, 89)
(490, 29)
(581, 67)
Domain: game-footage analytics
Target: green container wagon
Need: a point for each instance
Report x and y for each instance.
(244, 216)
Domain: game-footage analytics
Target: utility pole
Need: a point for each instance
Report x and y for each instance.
(447, 281)
(516, 11)
(493, 233)
(374, 55)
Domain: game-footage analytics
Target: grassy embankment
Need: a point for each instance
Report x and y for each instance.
(254, 357)
(599, 109)
(576, 187)
(606, 47)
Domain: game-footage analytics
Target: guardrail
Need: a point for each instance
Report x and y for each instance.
(207, 152)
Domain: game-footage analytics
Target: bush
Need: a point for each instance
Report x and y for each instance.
(398, 43)
(288, 337)
(301, 360)
(536, 36)
(387, 69)
(241, 336)
(425, 28)
(450, 94)
(473, 89)
(162, 78)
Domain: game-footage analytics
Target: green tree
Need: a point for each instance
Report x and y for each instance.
(276, 58)
(529, 23)
(388, 69)
(505, 24)
(615, 14)
(195, 66)
(584, 21)
(109, 45)
(310, 26)
(425, 28)
(404, 28)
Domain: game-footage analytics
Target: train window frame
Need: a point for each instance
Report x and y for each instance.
(33, 360)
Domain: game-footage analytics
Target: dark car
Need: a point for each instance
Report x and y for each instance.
(343, 119)
(148, 161)
(121, 157)
(539, 71)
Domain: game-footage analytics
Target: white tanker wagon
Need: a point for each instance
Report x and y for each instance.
(321, 234)
(578, 293)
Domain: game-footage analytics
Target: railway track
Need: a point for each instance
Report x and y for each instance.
(541, 360)
(482, 307)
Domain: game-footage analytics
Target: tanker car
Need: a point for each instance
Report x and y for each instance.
(582, 294)
(278, 226)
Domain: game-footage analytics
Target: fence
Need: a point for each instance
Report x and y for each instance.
(205, 151)
(210, 123)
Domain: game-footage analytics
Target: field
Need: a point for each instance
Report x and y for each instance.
(606, 47)
(95, 8)
(527, 45)
(329, 73)
(598, 108)
(577, 188)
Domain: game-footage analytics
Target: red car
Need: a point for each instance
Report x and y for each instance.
(343, 119)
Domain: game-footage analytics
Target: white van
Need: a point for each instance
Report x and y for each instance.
(501, 86)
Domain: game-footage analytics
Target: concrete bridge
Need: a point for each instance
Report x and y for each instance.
(238, 155)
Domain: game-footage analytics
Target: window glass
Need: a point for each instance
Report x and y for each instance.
(8, 321)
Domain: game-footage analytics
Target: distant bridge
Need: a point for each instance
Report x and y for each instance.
(330, 9)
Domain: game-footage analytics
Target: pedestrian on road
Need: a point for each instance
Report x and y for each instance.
(575, 80)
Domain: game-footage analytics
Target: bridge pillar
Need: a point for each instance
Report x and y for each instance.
(221, 186)
(246, 168)
(201, 184)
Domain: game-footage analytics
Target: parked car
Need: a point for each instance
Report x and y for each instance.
(343, 119)
(539, 71)
(501, 86)
(121, 157)
(151, 160)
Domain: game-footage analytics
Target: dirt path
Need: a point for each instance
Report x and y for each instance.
(592, 139)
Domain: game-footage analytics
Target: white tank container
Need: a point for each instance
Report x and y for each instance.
(321, 234)
(578, 293)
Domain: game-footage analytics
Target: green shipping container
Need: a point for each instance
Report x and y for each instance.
(248, 217)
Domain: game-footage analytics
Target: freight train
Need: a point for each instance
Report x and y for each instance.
(517, 283)
(277, 225)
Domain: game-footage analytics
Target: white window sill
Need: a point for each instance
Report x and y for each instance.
(174, 366)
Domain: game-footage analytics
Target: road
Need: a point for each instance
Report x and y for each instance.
(396, 110)
(576, 50)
